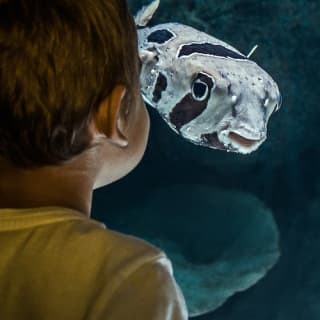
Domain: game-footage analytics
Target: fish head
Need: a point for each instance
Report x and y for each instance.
(207, 91)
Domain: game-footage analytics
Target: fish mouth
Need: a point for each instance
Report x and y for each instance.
(234, 141)
(248, 143)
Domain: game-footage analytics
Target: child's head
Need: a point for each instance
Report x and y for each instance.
(59, 61)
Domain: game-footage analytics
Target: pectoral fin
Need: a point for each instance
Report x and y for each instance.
(147, 56)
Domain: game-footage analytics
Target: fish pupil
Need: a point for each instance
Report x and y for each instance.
(199, 90)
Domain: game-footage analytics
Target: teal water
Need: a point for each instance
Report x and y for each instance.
(167, 196)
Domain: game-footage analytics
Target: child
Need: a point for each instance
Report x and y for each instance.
(71, 120)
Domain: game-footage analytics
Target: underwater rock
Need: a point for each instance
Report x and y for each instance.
(220, 242)
(291, 289)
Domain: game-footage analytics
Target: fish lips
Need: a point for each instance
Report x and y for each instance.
(233, 140)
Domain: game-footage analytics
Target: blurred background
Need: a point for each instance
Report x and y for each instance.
(243, 232)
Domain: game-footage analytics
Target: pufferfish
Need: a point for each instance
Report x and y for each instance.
(207, 91)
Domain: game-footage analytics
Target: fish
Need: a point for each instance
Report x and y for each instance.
(207, 91)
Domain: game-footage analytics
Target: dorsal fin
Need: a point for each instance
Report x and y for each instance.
(145, 14)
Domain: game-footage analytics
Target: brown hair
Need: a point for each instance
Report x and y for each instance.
(58, 60)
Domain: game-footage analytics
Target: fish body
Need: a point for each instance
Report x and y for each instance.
(206, 90)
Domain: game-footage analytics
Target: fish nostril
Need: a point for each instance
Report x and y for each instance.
(229, 89)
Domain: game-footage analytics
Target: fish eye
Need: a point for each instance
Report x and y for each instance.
(200, 90)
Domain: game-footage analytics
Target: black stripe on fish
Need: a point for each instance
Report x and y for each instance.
(160, 36)
(209, 49)
(188, 108)
(161, 85)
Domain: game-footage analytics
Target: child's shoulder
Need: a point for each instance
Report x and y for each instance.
(75, 237)
(114, 249)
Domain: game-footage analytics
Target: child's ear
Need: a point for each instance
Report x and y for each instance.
(107, 119)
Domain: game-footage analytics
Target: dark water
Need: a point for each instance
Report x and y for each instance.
(284, 174)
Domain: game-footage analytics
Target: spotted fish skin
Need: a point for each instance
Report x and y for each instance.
(206, 90)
